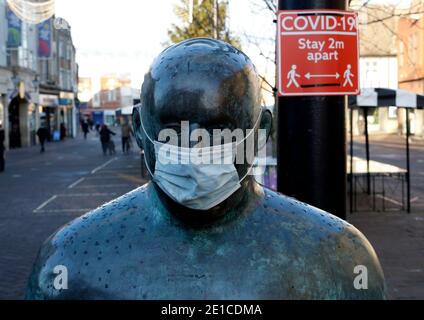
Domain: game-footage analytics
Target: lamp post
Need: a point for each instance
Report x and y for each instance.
(311, 150)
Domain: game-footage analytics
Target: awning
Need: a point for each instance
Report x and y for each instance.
(383, 97)
(48, 100)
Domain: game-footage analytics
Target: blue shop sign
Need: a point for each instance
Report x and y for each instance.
(65, 102)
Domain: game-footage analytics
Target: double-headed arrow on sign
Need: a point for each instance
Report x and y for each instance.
(309, 75)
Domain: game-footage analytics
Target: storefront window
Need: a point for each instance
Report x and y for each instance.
(392, 112)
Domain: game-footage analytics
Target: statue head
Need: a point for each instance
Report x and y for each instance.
(205, 85)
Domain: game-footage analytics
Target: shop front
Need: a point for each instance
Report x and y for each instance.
(50, 113)
(22, 118)
(68, 113)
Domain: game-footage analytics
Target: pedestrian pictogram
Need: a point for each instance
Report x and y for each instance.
(347, 75)
(317, 52)
(292, 75)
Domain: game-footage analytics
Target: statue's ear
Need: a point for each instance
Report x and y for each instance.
(266, 122)
(138, 130)
(264, 129)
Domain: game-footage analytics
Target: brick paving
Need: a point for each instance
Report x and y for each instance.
(398, 239)
(41, 192)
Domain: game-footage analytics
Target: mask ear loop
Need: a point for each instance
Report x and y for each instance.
(153, 142)
(252, 131)
(144, 129)
(147, 166)
(254, 127)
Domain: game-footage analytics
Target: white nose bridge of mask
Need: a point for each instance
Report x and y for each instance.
(223, 148)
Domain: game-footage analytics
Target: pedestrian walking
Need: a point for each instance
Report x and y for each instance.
(84, 127)
(91, 124)
(126, 136)
(97, 127)
(42, 134)
(111, 147)
(62, 131)
(105, 139)
(2, 149)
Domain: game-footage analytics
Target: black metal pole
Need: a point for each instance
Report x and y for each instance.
(408, 168)
(351, 161)
(367, 150)
(311, 151)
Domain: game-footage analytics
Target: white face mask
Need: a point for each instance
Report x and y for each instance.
(197, 186)
(186, 179)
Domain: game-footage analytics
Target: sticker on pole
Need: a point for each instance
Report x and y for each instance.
(317, 53)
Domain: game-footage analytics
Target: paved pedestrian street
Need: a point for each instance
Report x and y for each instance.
(397, 237)
(41, 192)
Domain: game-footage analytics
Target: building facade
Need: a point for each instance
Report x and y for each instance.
(105, 103)
(378, 65)
(18, 79)
(38, 78)
(5, 73)
(380, 72)
(59, 80)
(115, 93)
(411, 65)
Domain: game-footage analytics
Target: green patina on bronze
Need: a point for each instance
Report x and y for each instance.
(257, 244)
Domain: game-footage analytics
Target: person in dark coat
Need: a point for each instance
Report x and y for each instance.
(62, 131)
(105, 137)
(91, 124)
(84, 127)
(126, 136)
(2, 148)
(42, 134)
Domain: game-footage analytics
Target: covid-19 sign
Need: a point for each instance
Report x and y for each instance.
(317, 52)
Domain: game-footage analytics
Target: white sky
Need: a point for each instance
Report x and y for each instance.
(124, 36)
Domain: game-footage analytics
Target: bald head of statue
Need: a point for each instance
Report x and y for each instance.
(201, 84)
(198, 231)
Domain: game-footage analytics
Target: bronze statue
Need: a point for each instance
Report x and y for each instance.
(245, 243)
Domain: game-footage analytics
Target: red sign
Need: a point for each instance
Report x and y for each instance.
(318, 52)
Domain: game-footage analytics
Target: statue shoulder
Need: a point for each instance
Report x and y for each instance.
(69, 248)
(335, 246)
